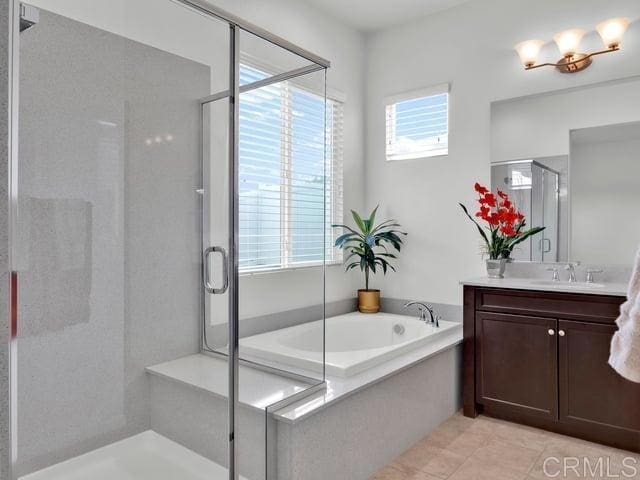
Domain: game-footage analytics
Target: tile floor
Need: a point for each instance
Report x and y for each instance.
(488, 449)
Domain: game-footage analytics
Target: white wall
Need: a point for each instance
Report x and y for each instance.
(345, 48)
(470, 46)
(170, 27)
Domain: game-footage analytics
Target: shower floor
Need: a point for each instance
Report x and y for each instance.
(147, 456)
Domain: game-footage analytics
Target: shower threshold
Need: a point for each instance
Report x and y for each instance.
(146, 456)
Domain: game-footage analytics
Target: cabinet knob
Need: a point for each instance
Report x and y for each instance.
(561, 333)
(552, 331)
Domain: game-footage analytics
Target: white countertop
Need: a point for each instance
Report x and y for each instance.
(616, 289)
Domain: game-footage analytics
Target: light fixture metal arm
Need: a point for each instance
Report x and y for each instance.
(566, 63)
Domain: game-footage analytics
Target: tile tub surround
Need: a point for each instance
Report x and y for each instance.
(346, 440)
(216, 335)
(489, 449)
(452, 313)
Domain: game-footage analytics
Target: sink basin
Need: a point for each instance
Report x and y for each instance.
(577, 285)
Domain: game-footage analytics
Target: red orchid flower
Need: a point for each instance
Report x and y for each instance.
(506, 203)
(488, 199)
(508, 230)
(505, 223)
(481, 189)
(483, 213)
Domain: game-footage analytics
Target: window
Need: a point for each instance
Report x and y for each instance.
(282, 171)
(418, 124)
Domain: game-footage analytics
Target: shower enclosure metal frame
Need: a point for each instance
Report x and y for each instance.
(236, 25)
(557, 189)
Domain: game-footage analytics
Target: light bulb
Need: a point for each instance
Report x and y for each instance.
(569, 41)
(612, 31)
(528, 51)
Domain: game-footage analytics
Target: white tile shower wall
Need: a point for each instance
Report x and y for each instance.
(109, 239)
(469, 46)
(198, 420)
(5, 454)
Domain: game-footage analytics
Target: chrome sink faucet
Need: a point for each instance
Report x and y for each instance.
(424, 311)
(571, 268)
(590, 274)
(556, 277)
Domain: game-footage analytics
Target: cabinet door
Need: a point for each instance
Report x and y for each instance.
(516, 364)
(592, 395)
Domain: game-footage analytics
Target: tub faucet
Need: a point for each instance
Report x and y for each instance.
(424, 311)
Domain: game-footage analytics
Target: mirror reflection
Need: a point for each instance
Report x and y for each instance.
(579, 197)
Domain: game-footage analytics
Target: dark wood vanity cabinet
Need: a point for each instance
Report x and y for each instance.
(517, 367)
(541, 358)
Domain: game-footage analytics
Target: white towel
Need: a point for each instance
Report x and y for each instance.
(625, 345)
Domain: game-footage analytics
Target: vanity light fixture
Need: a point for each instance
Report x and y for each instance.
(611, 31)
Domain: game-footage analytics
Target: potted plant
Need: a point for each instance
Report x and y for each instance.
(368, 247)
(504, 230)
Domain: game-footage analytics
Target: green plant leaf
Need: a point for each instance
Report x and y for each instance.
(359, 221)
(372, 217)
(523, 236)
(480, 229)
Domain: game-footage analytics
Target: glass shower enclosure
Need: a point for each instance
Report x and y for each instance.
(534, 189)
(165, 156)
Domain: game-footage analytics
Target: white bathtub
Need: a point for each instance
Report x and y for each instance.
(354, 342)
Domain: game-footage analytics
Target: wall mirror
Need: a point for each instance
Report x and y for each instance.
(570, 161)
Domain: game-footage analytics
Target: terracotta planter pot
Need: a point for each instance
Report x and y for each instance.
(369, 301)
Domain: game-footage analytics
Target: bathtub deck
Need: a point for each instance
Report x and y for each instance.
(257, 389)
(141, 457)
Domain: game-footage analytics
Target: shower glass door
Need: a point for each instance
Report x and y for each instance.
(266, 233)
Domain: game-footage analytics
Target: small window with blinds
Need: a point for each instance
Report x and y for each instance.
(417, 124)
(286, 207)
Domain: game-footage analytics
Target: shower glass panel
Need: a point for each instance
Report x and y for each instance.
(170, 166)
(533, 188)
(284, 217)
(107, 244)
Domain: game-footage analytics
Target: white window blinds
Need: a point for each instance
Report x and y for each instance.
(417, 124)
(282, 175)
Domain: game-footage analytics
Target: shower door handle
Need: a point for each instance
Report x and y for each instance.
(207, 274)
(545, 245)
